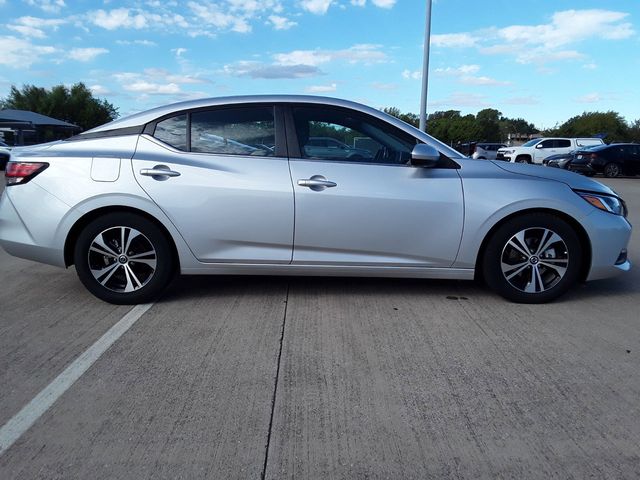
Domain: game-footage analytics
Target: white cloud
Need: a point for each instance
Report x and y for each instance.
(136, 19)
(149, 88)
(281, 23)
(319, 7)
(322, 88)
(118, 18)
(453, 40)
(14, 52)
(544, 43)
(384, 3)
(179, 51)
(144, 43)
(363, 53)
(359, 3)
(412, 75)
(49, 6)
(34, 27)
(590, 66)
(86, 54)
(100, 90)
(253, 69)
(466, 75)
(457, 71)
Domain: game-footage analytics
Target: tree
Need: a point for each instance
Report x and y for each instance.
(609, 124)
(410, 118)
(634, 131)
(74, 105)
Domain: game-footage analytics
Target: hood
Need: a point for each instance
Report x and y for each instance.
(573, 180)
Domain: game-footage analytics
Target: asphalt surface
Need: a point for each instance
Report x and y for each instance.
(293, 378)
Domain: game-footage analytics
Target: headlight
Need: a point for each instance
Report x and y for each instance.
(605, 203)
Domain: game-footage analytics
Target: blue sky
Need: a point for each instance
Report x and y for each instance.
(542, 60)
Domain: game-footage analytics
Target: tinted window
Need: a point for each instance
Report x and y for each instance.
(547, 144)
(350, 137)
(563, 143)
(173, 131)
(234, 131)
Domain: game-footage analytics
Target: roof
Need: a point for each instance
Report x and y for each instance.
(36, 119)
(142, 118)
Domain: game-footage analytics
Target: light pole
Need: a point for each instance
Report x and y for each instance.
(425, 70)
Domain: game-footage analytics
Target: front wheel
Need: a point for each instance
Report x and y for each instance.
(534, 258)
(523, 159)
(124, 258)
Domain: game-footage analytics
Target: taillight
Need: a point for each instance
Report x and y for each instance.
(17, 173)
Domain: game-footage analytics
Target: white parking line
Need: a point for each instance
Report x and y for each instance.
(25, 418)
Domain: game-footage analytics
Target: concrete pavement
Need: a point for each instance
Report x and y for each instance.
(326, 378)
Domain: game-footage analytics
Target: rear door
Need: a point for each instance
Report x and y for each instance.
(375, 210)
(222, 176)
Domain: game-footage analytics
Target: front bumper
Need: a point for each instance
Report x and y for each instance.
(609, 235)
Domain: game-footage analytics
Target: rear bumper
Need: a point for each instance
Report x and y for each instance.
(36, 244)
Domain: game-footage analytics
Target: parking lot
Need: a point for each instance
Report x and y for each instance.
(261, 377)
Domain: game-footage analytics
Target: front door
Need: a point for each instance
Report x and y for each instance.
(373, 210)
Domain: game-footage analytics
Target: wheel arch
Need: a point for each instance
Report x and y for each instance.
(526, 156)
(579, 229)
(82, 222)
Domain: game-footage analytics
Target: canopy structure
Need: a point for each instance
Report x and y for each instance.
(31, 127)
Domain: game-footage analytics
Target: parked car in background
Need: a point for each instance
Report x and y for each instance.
(559, 161)
(610, 160)
(135, 201)
(535, 151)
(563, 160)
(486, 151)
(5, 153)
(321, 147)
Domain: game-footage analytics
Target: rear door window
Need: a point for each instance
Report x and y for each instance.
(234, 131)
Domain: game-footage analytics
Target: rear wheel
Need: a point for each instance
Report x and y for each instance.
(612, 170)
(534, 258)
(124, 258)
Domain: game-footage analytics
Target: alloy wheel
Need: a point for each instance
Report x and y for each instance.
(534, 260)
(122, 259)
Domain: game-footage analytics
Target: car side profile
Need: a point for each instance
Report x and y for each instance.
(228, 186)
(610, 160)
(537, 150)
(486, 151)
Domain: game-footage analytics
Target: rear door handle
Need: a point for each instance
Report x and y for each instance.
(316, 183)
(159, 172)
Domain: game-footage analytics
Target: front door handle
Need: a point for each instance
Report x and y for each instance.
(316, 183)
(159, 172)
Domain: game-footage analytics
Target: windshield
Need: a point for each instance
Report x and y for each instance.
(531, 143)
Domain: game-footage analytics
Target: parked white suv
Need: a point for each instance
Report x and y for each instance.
(535, 151)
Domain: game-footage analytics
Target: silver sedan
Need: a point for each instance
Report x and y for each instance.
(229, 186)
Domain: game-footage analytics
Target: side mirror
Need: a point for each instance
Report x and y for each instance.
(538, 146)
(424, 155)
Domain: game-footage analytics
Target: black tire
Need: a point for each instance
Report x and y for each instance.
(612, 170)
(502, 258)
(124, 281)
(523, 159)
